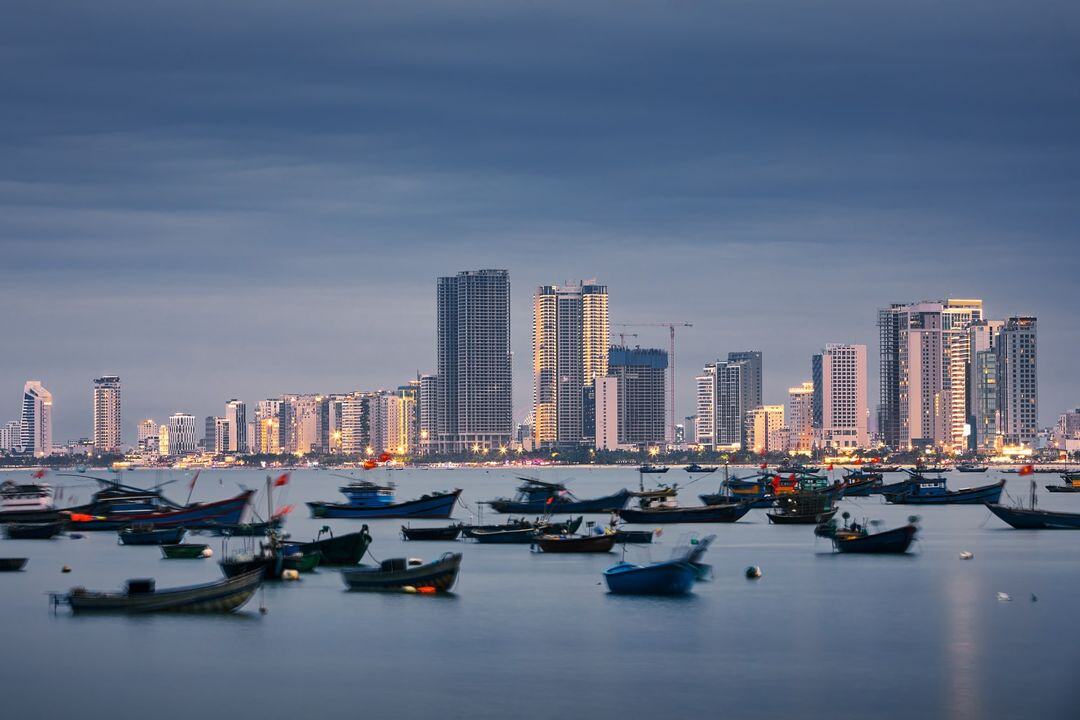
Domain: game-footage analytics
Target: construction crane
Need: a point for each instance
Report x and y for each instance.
(623, 336)
(670, 434)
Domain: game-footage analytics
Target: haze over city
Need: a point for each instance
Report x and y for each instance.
(263, 204)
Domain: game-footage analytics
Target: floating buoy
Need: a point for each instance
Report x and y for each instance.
(207, 553)
(1033, 598)
(65, 569)
(426, 590)
(753, 572)
(408, 588)
(290, 575)
(1004, 597)
(263, 610)
(965, 555)
(76, 536)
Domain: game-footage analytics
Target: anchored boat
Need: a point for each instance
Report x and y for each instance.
(856, 538)
(538, 496)
(368, 500)
(1031, 518)
(406, 574)
(141, 596)
(935, 491)
(192, 517)
(601, 543)
(730, 512)
(33, 531)
(149, 535)
(345, 549)
(450, 532)
(26, 502)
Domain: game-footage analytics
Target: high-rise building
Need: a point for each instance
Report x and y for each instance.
(799, 418)
(236, 416)
(147, 437)
(163, 439)
(752, 390)
(817, 405)
(36, 421)
(11, 436)
(642, 405)
(723, 396)
(1018, 381)
(107, 414)
(982, 393)
(308, 418)
(705, 406)
(428, 411)
(843, 397)
(182, 434)
(606, 431)
(763, 429)
(355, 423)
(216, 439)
(570, 349)
(474, 396)
(923, 372)
(268, 438)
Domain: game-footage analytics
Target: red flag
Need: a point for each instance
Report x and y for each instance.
(1027, 470)
(830, 467)
(858, 461)
(39, 474)
(282, 511)
(791, 477)
(385, 457)
(191, 485)
(369, 464)
(550, 500)
(763, 465)
(775, 482)
(282, 479)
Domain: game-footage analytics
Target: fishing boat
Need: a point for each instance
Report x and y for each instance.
(726, 498)
(192, 517)
(803, 509)
(695, 468)
(878, 467)
(600, 543)
(670, 577)
(730, 512)
(568, 527)
(12, 564)
(150, 535)
(450, 532)
(185, 551)
(249, 529)
(788, 468)
(406, 574)
(693, 554)
(142, 596)
(860, 484)
(889, 489)
(971, 468)
(538, 496)
(856, 538)
(26, 502)
(1072, 483)
(301, 562)
(518, 536)
(648, 469)
(1031, 518)
(368, 500)
(936, 469)
(633, 537)
(935, 491)
(33, 531)
(345, 549)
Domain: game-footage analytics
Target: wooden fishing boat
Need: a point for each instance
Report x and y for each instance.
(724, 498)
(33, 531)
(12, 564)
(345, 549)
(670, 577)
(568, 527)
(141, 596)
(184, 551)
(538, 496)
(518, 536)
(403, 574)
(576, 543)
(705, 514)
(1063, 488)
(149, 535)
(647, 469)
(804, 518)
(450, 532)
(803, 509)
(1031, 518)
(971, 468)
(936, 492)
(191, 517)
(433, 505)
(633, 537)
(856, 538)
(695, 468)
(254, 529)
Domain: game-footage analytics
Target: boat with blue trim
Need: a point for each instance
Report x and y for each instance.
(935, 491)
(141, 596)
(1031, 518)
(538, 496)
(368, 500)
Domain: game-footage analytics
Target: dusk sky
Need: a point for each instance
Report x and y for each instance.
(243, 199)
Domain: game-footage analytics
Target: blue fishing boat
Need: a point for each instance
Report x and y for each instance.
(936, 492)
(192, 517)
(671, 577)
(1031, 518)
(726, 498)
(537, 496)
(149, 535)
(730, 512)
(368, 500)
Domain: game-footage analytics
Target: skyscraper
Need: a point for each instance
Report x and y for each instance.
(182, 434)
(570, 349)
(236, 416)
(843, 397)
(107, 414)
(724, 392)
(799, 418)
(982, 391)
(1018, 381)
(474, 393)
(147, 438)
(428, 412)
(642, 406)
(36, 419)
(606, 432)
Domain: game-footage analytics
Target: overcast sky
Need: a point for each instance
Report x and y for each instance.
(250, 198)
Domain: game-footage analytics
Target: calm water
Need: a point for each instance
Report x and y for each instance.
(530, 635)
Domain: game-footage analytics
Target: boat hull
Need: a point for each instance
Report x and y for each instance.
(171, 536)
(189, 551)
(584, 544)
(522, 536)
(634, 537)
(559, 506)
(12, 564)
(890, 542)
(1063, 488)
(664, 578)
(218, 597)
(428, 533)
(193, 517)
(345, 549)
(439, 575)
(437, 505)
(812, 518)
(33, 531)
(1022, 519)
(968, 496)
(730, 512)
(765, 501)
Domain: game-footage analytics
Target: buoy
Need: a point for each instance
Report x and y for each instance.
(965, 555)
(207, 553)
(426, 589)
(65, 569)
(408, 588)
(1004, 597)
(76, 536)
(1033, 598)
(753, 572)
(263, 610)
(290, 575)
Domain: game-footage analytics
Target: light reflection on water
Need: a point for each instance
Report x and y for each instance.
(532, 635)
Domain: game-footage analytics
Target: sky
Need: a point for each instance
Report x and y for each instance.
(246, 199)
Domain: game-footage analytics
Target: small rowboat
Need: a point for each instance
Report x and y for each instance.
(671, 577)
(142, 597)
(406, 575)
(186, 551)
(431, 533)
(12, 564)
(575, 543)
(151, 536)
(33, 531)
(634, 537)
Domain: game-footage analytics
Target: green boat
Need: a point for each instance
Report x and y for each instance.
(184, 551)
(302, 562)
